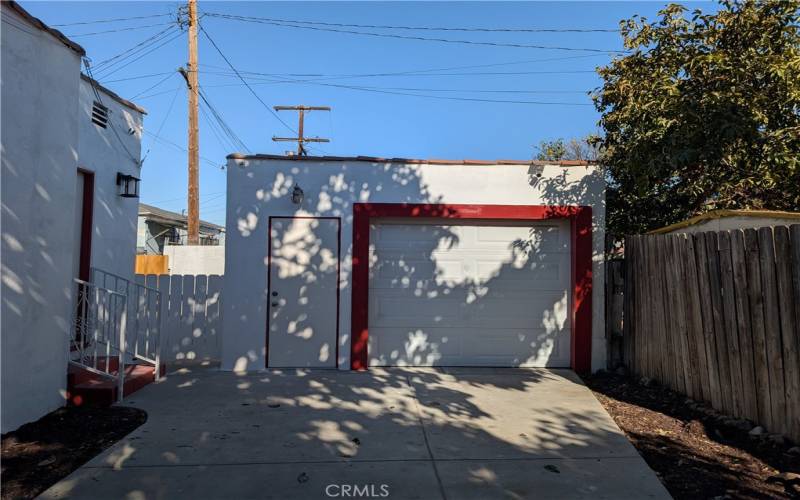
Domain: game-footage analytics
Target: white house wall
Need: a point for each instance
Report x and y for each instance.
(100, 150)
(260, 188)
(203, 259)
(39, 160)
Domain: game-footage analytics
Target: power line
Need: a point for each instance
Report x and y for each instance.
(132, 28)
(226, 129)
(493, 65)
(406, 73)
(273, 113)
(148, 40)
(473, 73)
(164, 120)
(279, 75)
(153, 95)
(140, 77)
(154, 86)
(409, 37)
(214, 201)
(183, 198)
(221, 139)
(400, 73)
(449, 98)
(111, 20)
(266, 81)
(215, 196)
(179, 147)
(98, 21)
(420, 72)
(426, 28)
(128, 63)
(432, 71)
(230, 137)
(481, 91)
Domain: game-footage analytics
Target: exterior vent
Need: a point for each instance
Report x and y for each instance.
(99, 114)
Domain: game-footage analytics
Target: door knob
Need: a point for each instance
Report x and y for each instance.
(274, 294)
(275, 304)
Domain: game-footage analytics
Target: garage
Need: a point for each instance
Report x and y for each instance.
(351, 263)
(469, 293)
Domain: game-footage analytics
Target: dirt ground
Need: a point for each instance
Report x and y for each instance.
(694, 451)
(39, 454)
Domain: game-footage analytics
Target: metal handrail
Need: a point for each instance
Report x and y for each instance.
(98, 330)
(144, 325)
(115, 317)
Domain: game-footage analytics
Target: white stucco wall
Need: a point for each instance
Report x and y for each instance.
(259, 188)
(105, 153)
(195, 259)
(39, 160)
(735, 222)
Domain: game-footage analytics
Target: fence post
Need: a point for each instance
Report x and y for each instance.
(159, 325)
(121, 366)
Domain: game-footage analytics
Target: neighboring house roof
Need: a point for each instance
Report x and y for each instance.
(37, 23)
(167, 217)
(113, 95)
(719, 214)
(433, 161)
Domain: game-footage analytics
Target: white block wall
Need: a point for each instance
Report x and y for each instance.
(185, 259)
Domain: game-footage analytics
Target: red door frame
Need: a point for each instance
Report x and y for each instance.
(269, 274)
(580, 218)
(87, 211)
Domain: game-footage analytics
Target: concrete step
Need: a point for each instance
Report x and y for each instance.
(77, 375)
(87, 388)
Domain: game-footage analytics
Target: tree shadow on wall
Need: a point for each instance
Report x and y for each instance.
(414, 272)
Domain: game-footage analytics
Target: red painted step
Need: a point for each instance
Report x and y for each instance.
(87, 388)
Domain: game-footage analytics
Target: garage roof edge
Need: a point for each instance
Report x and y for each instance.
(432, 161)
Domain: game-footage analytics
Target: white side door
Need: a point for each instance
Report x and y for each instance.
(303, 292)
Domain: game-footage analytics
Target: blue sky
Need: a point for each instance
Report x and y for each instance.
(375, 122)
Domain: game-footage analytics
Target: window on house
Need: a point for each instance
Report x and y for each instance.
(99, 114)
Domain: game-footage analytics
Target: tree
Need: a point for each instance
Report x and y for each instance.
(702, 113)
(583, 148)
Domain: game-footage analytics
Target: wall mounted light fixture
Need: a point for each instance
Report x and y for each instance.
(127, 185)
(297, 195)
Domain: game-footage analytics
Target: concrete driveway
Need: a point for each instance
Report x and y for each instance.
(399, 433)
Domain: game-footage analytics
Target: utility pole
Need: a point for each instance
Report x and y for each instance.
(193, 217)
(301, 139)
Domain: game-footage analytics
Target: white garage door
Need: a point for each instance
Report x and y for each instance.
(471, 294)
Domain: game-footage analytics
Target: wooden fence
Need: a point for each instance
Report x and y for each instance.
(716, 316)
(614, 297)
(192, 307)
(151, 264)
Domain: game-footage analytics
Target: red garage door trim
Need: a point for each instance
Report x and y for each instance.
(580, 218)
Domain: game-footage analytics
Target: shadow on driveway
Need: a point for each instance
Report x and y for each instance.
(395, 433)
